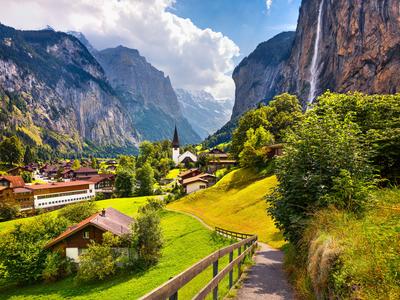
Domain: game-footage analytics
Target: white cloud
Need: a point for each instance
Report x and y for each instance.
(194, 58)
(268, 3)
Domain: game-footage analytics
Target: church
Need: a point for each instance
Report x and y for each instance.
(178, 158)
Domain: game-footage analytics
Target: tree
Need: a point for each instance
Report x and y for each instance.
(94, 163)
(147, 236)
(76, 165)
(8, 210)
(22, 253)
(78, 212)
(26, 176)
(11, 150)
(29, 156)
(323, 154)
(254, 153)
(100, 261)
(145, 180)
(124, 183)
(127, 162)
(146, 152)
(165, 165)
(281, 113)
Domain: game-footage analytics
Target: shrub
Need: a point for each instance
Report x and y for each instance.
(22, 254)
(100, 261)
(8, 211)
(56, 267)
(147, 237)
(77, 212)
(323, 155)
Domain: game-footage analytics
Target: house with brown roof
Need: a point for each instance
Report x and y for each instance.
(103, 183)
(189, 173)
(85, 173)
(75, 240)
(199, 182)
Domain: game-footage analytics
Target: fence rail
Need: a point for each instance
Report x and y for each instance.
(169, 290)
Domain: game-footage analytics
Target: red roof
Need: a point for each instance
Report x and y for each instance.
(15, 181)
(57, 185)
(113, 221)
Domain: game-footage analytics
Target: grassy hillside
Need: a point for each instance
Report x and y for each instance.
(186, 241)
(236, 202)
(352, 256)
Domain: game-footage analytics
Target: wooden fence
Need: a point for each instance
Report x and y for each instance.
(169, 290)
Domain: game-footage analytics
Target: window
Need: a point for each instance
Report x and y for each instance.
(202, 187)
(86, 235)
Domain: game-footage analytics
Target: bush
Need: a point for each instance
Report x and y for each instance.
(147, 236)
(100, 261)
(56, 267)
(77, 212)
(8, 211)
(326, 163)
(22, 254)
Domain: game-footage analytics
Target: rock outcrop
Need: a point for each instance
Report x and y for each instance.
(258, 75)
(357, 49)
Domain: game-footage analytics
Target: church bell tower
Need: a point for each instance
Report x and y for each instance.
(175, 147)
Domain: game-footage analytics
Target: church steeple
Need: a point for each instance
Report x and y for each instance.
(175, 140)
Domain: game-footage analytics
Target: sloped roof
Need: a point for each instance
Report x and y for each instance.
(57, 185)
(15, 181)
(175, 140)
(99, 178)
(86, 170)
(193, 179)
(184, 173)
(113, 221)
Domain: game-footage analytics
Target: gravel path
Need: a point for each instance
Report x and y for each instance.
(266, 279)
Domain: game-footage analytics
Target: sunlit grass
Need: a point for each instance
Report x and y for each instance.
(236, 202)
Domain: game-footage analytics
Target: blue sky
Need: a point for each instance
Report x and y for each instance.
(246, 22)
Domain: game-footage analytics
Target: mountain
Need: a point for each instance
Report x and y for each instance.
(257, 75)
(53, 92)
(342, 45)
(203, 112)
(145, 91)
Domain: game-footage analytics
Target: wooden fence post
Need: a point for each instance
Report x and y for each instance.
(231, 271)
(240, 263)
(215, 273)
(174, 296)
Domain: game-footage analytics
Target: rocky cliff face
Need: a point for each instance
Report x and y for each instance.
(54, 92)
(257, 76)
(358, 49)
(341, 45)
(203, 112)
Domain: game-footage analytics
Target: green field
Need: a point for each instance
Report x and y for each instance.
(236, 202)
(186, 241)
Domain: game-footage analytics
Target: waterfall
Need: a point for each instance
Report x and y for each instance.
(314, 71)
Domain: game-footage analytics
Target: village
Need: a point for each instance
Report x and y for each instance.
(58, 183)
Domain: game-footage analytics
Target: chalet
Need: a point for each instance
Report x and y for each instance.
(18, 170)
(201, 181)
(274, 150)
(8, 184)
(103, 183)
(189, 173)
(214, 165)
(75, 240)
(216, 153)
(85, 173)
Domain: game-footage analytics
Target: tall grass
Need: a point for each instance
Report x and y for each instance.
(348, 256)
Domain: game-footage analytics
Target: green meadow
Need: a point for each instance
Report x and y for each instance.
(186, 241)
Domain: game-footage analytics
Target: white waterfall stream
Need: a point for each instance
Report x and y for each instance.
(314, 70)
